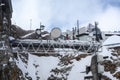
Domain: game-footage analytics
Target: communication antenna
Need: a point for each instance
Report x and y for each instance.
(55, 33)
(78, 27)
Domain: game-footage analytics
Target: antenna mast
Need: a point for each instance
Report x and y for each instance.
(78, 27)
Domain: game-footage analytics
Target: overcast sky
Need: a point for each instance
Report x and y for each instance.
(65, 13)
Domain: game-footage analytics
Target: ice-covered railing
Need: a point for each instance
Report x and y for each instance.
(52, 46)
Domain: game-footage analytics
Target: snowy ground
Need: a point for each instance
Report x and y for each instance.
(39, 68)
(78, 68)
(42, 66)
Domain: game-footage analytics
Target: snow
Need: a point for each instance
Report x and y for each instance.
(109, 32)
(105, 52)
(118, 69)
(44, 35)
(79, 66)
(44, 66)
(54, 42)
(112, 40)
(10, 59)
(66, 51)
(108, 74)
(21, 65)
(27, 35)
(2, 45)
(11, 38)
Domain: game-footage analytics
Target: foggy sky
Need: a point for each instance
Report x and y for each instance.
(65, 13)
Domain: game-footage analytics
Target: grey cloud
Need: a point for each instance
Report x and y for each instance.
(63, 13)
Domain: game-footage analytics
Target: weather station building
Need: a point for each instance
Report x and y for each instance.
(83, 34)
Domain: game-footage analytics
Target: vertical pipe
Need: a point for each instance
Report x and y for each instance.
(78, 27)
(73, 33)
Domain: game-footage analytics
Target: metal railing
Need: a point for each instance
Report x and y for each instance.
(51, 46)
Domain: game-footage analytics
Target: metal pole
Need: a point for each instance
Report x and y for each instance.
(40, 30)
(94, 62)
(78, 27)
(96, 32)
(94, 67)
(98, 77)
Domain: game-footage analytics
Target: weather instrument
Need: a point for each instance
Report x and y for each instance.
(55, 33)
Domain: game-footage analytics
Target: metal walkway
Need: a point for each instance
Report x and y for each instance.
(52, 46)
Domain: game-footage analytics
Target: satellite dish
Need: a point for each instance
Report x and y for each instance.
(55, 33)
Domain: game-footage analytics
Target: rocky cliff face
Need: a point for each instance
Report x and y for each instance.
(18, 32)
(8, 68)
(67, 66)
